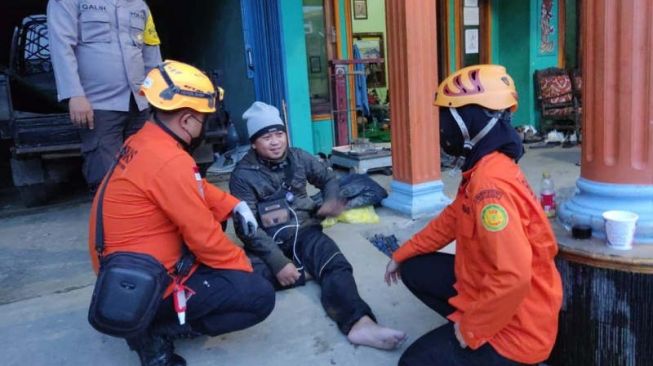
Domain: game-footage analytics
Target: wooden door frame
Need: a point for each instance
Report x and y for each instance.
(562, 24)
(442, 18)
(485, 51)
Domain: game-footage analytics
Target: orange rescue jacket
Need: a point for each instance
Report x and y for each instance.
(509, 291)
(156, 200)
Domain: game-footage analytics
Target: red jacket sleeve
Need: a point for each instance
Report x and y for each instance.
(437, 234)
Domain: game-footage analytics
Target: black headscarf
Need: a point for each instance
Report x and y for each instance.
(502, 137)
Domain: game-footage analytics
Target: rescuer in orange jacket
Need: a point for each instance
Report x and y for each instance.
(156, 201)
(501, 292)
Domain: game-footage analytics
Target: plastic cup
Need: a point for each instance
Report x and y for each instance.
(620, 228)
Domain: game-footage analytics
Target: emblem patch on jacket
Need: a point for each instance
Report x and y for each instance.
(494, 217)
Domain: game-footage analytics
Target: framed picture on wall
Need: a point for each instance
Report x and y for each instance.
(360, 9)
(471, 41)
(370, 46)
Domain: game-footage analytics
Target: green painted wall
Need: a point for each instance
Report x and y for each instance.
(512, 50)
(520, 54)
(375, 23)
(452, 36)
(494, 32)
(538, 59)
(295, 69)
(342, 6)
(571, 34)
(323, 136)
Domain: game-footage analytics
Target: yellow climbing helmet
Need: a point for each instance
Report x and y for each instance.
(489, 86)
(175, 85)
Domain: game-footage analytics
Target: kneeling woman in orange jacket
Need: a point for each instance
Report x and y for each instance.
(501, 292)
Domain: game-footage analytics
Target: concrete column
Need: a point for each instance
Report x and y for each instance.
(416, 189)
(617, 135)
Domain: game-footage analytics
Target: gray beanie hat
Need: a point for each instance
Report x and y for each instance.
(261, 119)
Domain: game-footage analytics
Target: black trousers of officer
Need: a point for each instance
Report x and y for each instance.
(431, 278)
(224, 301)
(101, 144)
(323, 260)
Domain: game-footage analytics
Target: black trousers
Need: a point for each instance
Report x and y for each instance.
(322, 259)
(431, 278)
(224, 301)
(101, 144)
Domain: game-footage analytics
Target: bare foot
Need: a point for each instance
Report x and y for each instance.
(366, 332)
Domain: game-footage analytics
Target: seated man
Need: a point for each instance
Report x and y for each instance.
(272, 179)
(155, 202)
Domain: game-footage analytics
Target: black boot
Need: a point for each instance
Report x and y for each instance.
(156, 350)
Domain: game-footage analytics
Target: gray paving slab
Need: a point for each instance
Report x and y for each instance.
(52, 329)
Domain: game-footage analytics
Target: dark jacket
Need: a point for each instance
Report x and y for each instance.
(255, 180)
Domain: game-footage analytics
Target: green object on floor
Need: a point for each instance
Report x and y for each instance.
(376, 135)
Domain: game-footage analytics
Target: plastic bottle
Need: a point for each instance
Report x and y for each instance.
(548, 195)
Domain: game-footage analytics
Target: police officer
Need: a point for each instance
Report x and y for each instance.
(101, 51)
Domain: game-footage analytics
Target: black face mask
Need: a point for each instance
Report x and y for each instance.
(502, 137)
(194, 142)
(451, 139)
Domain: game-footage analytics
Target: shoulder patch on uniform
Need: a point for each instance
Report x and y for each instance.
(151, 37)
(494, 217)
(488, 194)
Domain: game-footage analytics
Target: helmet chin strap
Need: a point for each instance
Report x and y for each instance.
(470, 143)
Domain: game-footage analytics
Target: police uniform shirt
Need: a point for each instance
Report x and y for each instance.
(102, 49)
